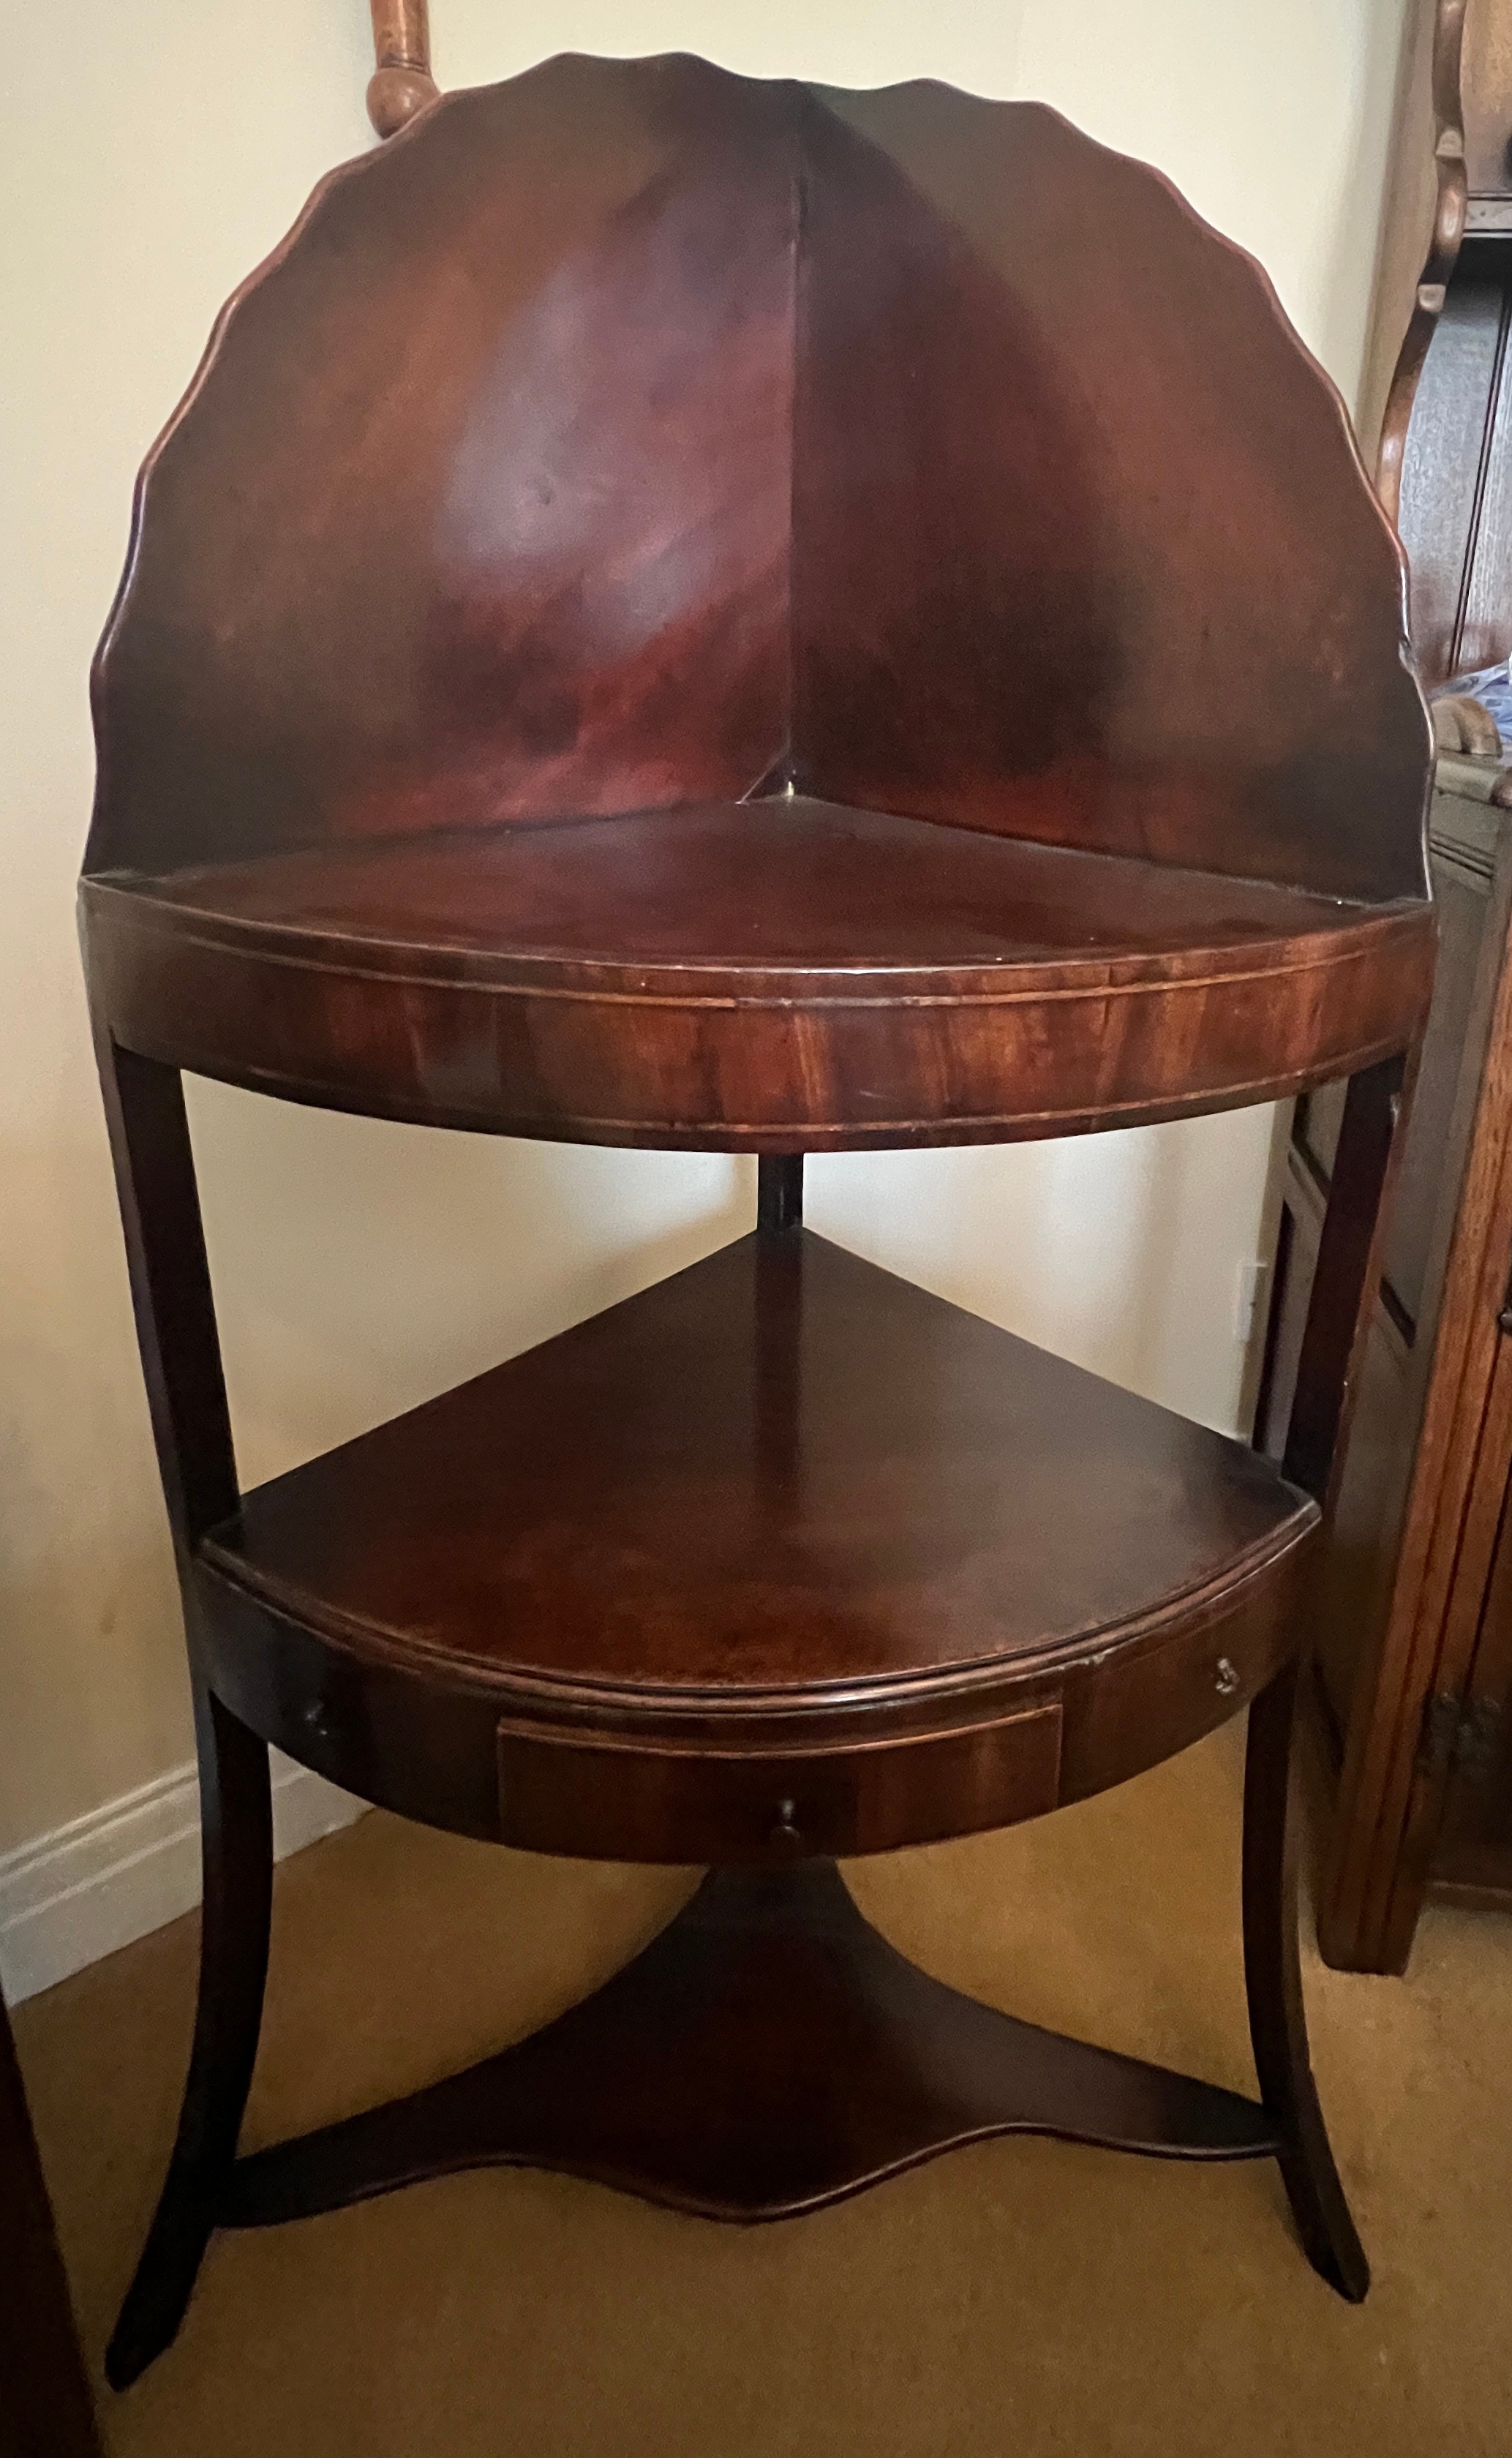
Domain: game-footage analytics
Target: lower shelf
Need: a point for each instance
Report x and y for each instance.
(767, 2054)
(783, 1548)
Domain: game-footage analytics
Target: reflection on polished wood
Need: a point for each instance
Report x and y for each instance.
(750, 974)
(725, 442)
(767, 2054)
(774, 1530)
(705, 613)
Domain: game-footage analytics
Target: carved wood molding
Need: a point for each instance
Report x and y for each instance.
(402, 83)
(1443, 247)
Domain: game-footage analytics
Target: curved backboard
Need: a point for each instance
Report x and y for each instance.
(634, 434)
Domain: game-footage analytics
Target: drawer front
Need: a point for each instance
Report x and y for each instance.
(444, 1756)
(634, 1799)
(1147, 1703)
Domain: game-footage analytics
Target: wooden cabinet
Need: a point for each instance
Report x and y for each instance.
(1415, 1640)
(1414, 1662)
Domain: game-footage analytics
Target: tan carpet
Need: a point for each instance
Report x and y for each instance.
(1021, 2298)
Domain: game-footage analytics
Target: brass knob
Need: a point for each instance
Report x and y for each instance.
(786, 1829)
(1226, 1680)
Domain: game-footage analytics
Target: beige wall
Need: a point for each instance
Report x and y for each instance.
(153, 158)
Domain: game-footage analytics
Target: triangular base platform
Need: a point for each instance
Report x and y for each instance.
(768, 2053)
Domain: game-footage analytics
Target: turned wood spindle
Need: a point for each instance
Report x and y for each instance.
(402, 83)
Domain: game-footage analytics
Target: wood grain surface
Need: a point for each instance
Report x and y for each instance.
(693, 612)
(783, 1528)
(768, 2054)
(756, 470)
(788, 973)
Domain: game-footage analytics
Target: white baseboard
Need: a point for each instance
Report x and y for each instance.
(78, 1893)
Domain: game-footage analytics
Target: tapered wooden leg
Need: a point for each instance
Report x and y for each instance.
(175, 1325)
(1345, 1291)
(1273, 1979)
(236, 1821)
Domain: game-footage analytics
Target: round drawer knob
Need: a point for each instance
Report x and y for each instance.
(785, 1828)
(1226, 1679)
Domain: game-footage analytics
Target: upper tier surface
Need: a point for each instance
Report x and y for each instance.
(629, 447)
(787, 886)
(786, 971)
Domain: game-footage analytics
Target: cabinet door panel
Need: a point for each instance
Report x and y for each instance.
(1473, 1845)
(1464, 906)
(1296, 1262)
(1359, 1565)
(1315, 1128)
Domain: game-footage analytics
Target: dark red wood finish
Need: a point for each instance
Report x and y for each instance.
(493, 463)
(771, 1531)
(752, 975)
(236, 1813)
(631, 434)
(1413, 1663)
(839, 2062)
(633, 439)
(695, 613)
(1021, 571)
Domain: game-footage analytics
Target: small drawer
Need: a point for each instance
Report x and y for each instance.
(632, 1798)
(1145, 1703)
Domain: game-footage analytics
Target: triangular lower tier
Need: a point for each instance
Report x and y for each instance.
(780, 1473)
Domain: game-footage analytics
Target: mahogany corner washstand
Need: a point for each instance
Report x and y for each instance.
(709, 614)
